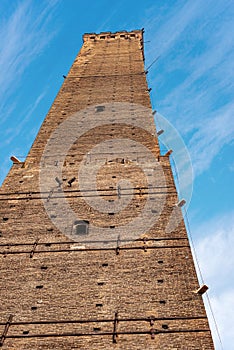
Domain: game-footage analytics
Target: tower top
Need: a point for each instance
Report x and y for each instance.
(138, 33)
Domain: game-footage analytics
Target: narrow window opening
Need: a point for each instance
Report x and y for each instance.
(100, 283)
(5, 219)
(162, 301)
(44, 267)
(96, 329)
(165, 326)
(39, 286)
(25, 332)
(113, 177)
(34, 308)
(105, 264)
(81, 227)
(47, 244)
(160, 281)
(111, 214)
(112, 226)
(99, 305)
(160, 261)
(100, 108)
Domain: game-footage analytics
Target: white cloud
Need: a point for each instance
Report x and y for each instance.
(216, 258)
(24, 35)
(195, 66)
(211, 136)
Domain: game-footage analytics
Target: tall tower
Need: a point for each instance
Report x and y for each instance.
(94, 250)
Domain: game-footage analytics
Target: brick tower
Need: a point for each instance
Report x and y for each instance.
(94, 250)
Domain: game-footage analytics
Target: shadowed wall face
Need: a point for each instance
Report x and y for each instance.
(94, 251)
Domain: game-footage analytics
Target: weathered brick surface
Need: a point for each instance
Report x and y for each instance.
(64, 294)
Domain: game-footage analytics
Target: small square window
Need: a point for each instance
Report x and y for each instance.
(100, 108)
(81, 227)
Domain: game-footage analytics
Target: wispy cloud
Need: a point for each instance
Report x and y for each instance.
(195, 68)
(217, 264)
(25, 31)
(28, 114)
(23, 38)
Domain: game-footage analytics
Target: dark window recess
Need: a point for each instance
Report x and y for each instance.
(111, 213)
(39, 286)
(160, 281)
(53, 216)
(165, 326)
(44, 267)
(104, 264)
(98, 305)
(111, 200)
(25, 332)
(81, 227)
(47, 244)
(33, 308)
(21, 181)
(137, 206)
(96, 329)
(5, 219)
(102, 37)
(162, 302)
(111, 187)
(160, 261)
(112, 226)
(113, 177)
(100, 283)
(100, 108)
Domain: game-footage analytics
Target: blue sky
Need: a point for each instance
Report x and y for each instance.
(192, 86)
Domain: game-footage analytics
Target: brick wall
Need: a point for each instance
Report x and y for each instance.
(64, 290)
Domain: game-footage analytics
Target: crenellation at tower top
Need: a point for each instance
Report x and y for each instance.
(109, 36)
